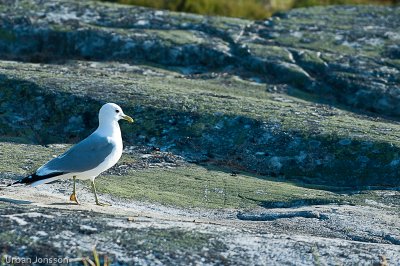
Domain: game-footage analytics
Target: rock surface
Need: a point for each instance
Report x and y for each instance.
(40, 222)
(193, 97)
(350, 54)
(309, 96)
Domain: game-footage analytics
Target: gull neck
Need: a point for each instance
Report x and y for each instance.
(109, 129)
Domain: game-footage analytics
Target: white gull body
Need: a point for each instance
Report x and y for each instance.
(89, 158)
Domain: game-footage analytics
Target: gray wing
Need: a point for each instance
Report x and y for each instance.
(84, 156)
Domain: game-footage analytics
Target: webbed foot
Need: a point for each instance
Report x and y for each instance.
(73, 197)
(103, 203)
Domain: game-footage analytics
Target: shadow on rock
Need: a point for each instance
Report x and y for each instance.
(23, 202)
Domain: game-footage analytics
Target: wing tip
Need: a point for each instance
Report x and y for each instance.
(24, 181)
(33, 178)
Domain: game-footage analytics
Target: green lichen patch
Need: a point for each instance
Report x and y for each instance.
(204, 187)
(22, 159)
(7, 35)
(186, 186)
(270, 52)
(177, 37)
(195, 186)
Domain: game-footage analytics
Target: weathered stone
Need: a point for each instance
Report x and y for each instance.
(346, 54)
(282, 99)
(179, 115)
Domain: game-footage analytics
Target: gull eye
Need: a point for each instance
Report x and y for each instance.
(117, 111)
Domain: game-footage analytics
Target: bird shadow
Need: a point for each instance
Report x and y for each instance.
(15, 201)
(63, 204)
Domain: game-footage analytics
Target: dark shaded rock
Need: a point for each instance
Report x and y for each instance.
(349, 53)
(275, 216)
(346, 54)
(70, 29)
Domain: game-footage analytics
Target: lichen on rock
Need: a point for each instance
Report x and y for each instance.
(232, 117)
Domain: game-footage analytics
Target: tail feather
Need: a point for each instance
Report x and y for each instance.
(34, 178)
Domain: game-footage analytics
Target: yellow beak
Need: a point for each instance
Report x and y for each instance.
(127, 118)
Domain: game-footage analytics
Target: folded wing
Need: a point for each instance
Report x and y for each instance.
(84, 156)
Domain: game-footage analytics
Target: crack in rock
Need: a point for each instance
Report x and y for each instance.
(282, 215)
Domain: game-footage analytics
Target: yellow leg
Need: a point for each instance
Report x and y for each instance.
(73, 196)
(95, 196)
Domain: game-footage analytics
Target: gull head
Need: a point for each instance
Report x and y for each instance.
(112, 112)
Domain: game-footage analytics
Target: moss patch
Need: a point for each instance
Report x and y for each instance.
(198, 186)
(195, 185)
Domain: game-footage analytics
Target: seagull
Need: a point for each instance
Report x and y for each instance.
(87, 159)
